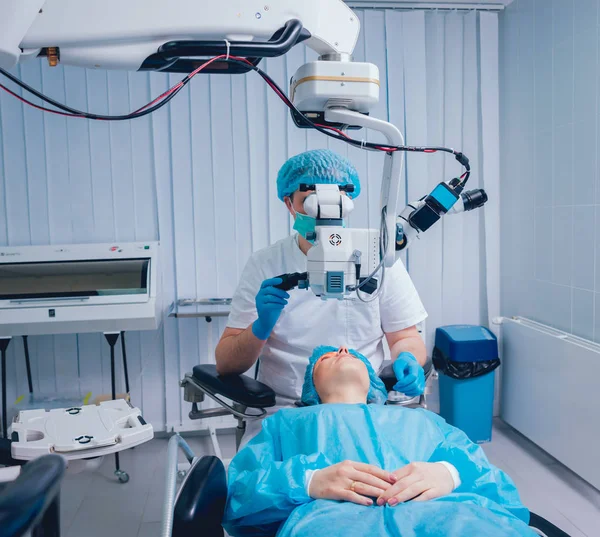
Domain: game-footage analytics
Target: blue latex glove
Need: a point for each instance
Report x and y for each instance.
(270, 302)
(410, 375)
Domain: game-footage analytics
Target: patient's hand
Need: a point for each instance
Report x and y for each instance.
(350, 481)
(418, 481)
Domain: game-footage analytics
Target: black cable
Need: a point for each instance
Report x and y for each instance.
(460, 157)
(73, 112)
(39, 95)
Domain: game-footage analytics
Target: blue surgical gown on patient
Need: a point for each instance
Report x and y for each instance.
(267, 494)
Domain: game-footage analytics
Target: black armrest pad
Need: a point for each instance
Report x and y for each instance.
(548, 528)
(239, 388)
(25, 500)
(389, 378)
(201, 500)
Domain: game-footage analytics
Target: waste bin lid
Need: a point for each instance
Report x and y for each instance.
(466, 343)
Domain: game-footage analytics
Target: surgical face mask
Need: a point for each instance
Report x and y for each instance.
(304, 224)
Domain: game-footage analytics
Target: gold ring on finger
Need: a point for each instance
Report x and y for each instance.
(352, 485)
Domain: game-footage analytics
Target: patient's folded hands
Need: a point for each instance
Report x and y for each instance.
(357, 483)
(351, 481)
(418, 481)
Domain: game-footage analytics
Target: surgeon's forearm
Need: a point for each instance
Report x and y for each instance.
(412, 344)
(237, 352)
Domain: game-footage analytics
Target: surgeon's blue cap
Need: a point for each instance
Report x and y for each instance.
(377, 392)
(318, 167)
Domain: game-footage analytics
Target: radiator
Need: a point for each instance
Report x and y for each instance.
(550, 393)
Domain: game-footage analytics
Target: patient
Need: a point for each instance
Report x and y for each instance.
(340, 466)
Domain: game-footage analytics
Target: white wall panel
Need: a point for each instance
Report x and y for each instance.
(424, 259)
(550, 180)
(453, 304)
(37, 183)
(200, 175)
(100, 153)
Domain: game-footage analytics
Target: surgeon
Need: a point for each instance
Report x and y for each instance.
(342, 467)
(282, 328)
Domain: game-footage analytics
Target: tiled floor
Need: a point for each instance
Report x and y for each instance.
(94, 504)
(546, 486)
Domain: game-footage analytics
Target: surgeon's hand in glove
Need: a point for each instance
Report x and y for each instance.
(418, 481)
(410, 375)
(270, 302)
(350, 481)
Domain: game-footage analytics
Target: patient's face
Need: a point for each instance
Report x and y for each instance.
(338, 370)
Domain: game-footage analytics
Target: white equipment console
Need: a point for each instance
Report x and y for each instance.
(79, 432)
(78, 288)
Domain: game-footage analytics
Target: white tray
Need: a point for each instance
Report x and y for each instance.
(79, 432)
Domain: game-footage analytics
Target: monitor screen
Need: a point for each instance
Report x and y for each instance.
(22, 281)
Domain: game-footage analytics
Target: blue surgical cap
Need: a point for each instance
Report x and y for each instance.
(377, 392)
(318, 167)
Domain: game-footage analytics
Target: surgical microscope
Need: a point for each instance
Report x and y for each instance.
(332, 95)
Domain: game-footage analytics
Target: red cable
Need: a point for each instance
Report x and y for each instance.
(158, 99)
(57, 112)
(174, 88)
(329, 127)
(342, 133)
(192, 75)
(177, 86)
(164, 95)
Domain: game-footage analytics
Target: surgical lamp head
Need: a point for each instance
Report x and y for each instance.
(317, 167)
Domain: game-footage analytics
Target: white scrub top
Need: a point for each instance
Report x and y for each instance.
(308, 321)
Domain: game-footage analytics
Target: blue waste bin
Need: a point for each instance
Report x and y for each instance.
(466, 357)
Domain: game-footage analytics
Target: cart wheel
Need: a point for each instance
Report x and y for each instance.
(123, 476)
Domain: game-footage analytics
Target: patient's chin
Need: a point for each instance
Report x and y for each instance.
(353, 367)
(352, 373)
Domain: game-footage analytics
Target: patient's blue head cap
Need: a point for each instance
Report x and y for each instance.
(318, 167)
(377, 392)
